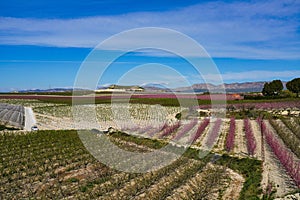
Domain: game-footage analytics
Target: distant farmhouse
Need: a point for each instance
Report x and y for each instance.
(120, 88)
(235, 97)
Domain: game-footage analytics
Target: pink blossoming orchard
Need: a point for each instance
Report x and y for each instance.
(242, 147)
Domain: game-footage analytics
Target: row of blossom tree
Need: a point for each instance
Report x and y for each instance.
(286, 157)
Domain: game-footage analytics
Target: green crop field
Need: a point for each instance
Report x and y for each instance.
(55, 164)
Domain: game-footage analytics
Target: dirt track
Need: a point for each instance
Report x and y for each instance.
(29, 119)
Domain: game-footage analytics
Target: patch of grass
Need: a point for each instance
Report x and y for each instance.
(83, 188)
(251, 169)
(73, 180)
(151, 143)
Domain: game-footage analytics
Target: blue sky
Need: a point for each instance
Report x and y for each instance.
(43, 43)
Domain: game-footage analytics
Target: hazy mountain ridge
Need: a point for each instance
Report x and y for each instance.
(229, 87)
(200, 87)
(50, 90)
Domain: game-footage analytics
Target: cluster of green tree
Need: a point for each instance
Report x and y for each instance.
(275, 87)
(294, 86)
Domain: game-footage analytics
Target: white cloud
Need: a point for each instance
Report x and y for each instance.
(240, 29)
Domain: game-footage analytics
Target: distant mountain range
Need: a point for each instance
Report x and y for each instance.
(155, 87)
(202, 87)
(54, 90)
(231, 87)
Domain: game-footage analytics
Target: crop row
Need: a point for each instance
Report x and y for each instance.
(185, 129)
(231, 135)
(251, 143)
(165, 186)
(293, 126)
(286, 158)
(200, 130)
(168, 130)
(290, 140)
(140, 184)
(207, 184)
(214, 133)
